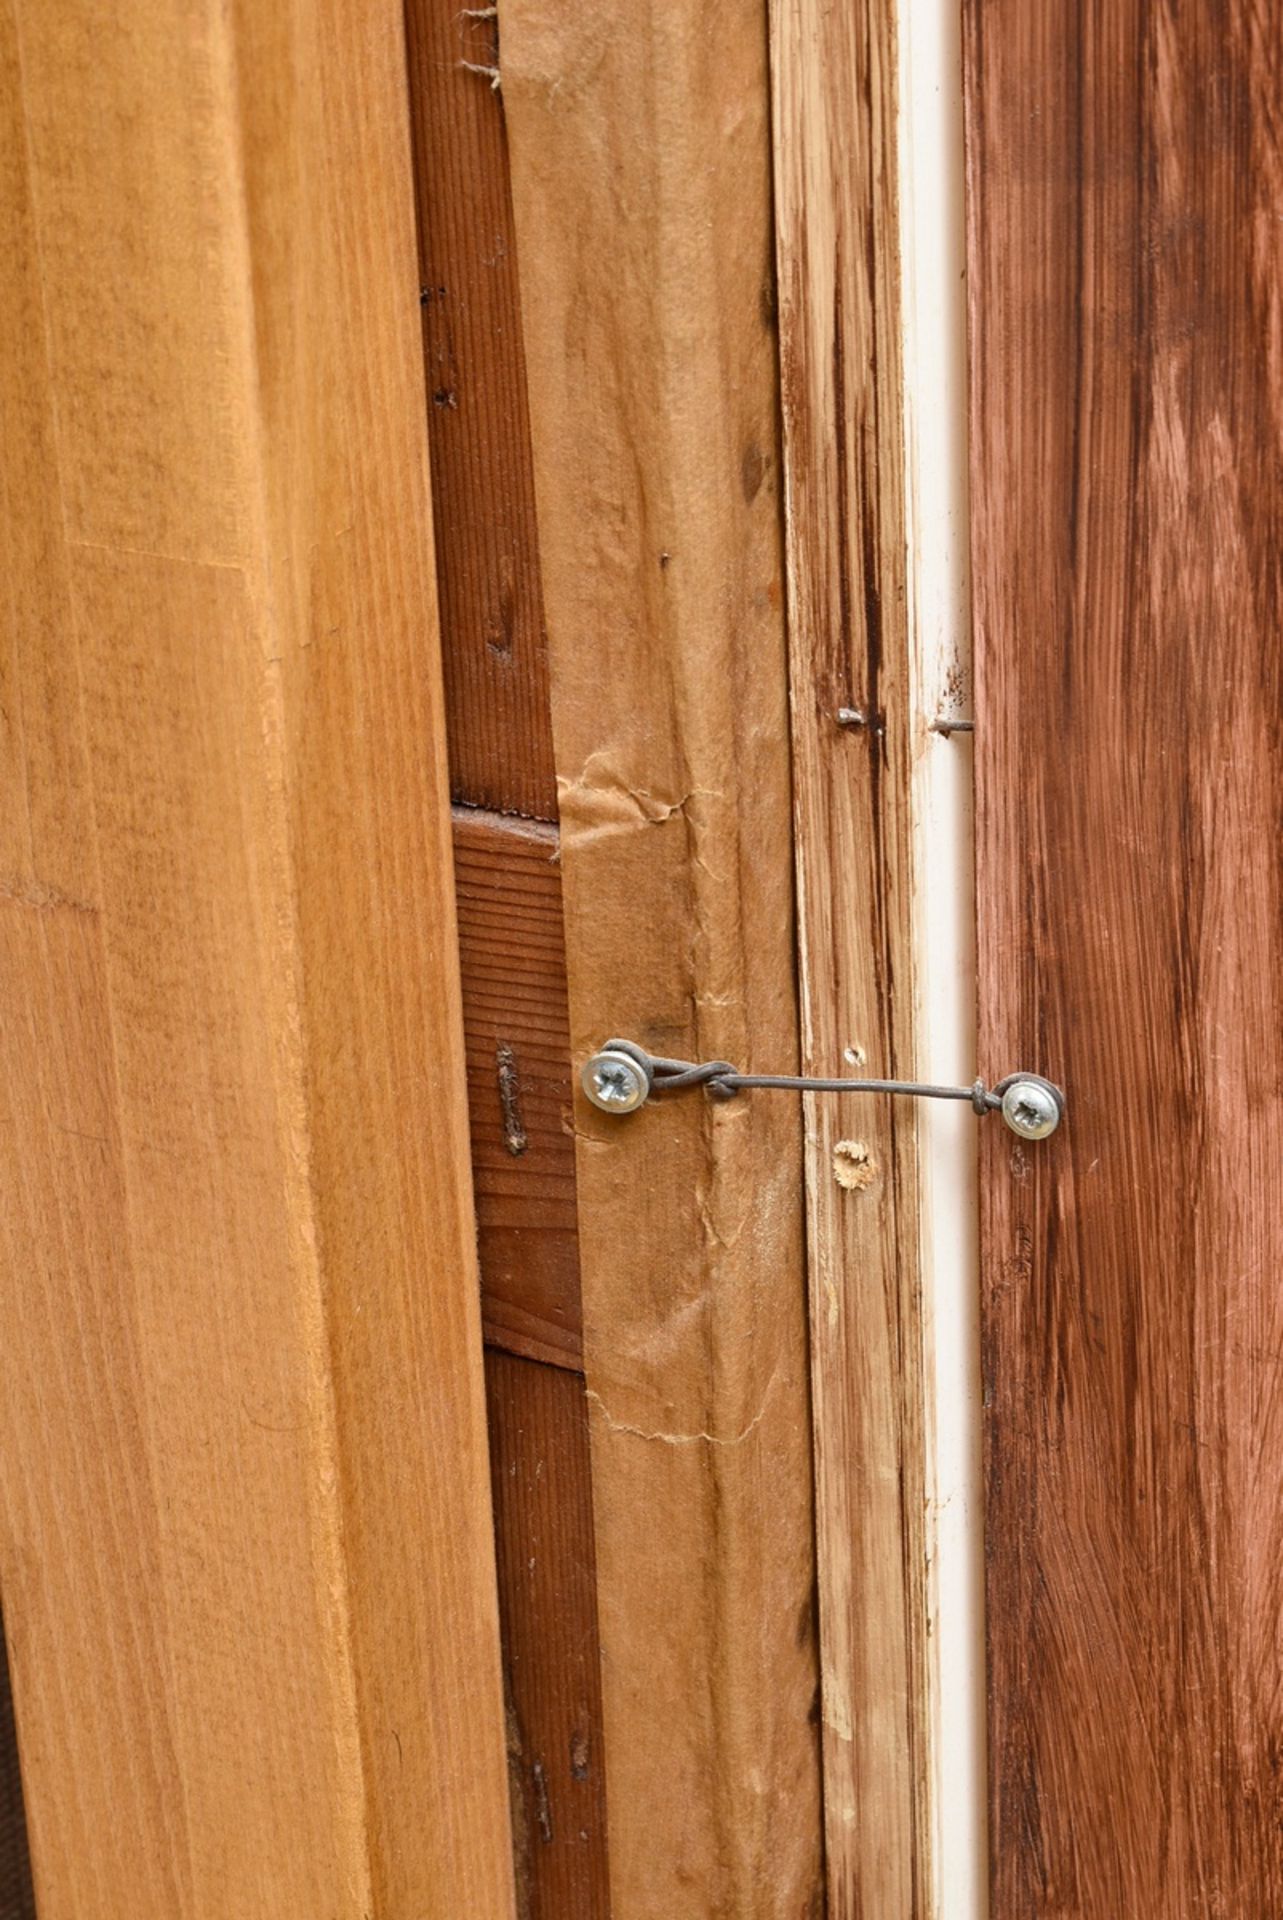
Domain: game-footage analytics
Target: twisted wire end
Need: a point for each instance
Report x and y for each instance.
(624, 1076)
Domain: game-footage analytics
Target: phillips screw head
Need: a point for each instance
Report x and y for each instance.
(615, 1082)
(1031, 1108)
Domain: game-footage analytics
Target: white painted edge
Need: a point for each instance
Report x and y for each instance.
(933, 257)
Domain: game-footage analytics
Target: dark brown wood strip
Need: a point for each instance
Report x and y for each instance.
(544, 1533)
(17, 1898)
(496, 665)
(1126, 190)
(512, 960)
(523, 1150)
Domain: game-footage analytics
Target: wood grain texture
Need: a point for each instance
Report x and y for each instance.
(640, 160)
(1127, 380)
(513, 952)
(495, 648)
(245, 1546)
(834, 91)
(512, 941)
(544, 1534)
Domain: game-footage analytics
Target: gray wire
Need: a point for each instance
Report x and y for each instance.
(724, 1081)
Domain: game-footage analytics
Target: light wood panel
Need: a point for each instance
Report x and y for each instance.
(1127, 388)
(854, 739)
(641, 184)
(245, 1547)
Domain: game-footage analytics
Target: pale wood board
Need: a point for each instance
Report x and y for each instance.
(834, 93)
(245, 1545)
(640, 156)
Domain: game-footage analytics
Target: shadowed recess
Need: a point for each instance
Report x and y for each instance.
(17, 1900)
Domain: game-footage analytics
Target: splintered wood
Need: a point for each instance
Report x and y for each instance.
(641, 180)
(245, 1541)
(836, 214)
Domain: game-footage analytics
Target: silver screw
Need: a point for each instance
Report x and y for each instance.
(1031, 1109)
(615, 1082)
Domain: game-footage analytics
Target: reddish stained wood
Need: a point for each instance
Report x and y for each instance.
(544, 1536)
(496, 656)
(1127, 381)
(523, 1148)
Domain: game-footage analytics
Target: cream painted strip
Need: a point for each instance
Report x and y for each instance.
(934, 315)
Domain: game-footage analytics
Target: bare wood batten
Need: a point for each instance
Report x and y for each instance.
(243, 1457)
(641, 178)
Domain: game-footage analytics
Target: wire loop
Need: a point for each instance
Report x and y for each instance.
(723, 1081)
